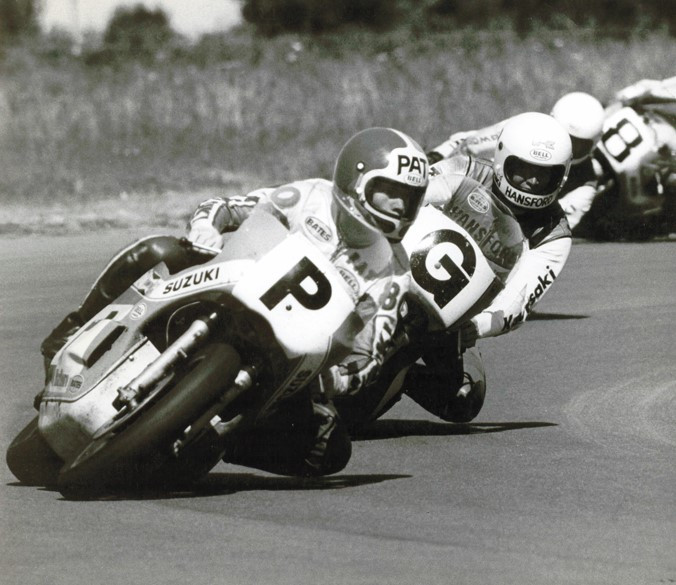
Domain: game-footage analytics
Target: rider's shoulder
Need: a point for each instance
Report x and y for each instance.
(545, 226)
(456, 164)
(292, 194)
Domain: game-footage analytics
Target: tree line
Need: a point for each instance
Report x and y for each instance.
(273, 17)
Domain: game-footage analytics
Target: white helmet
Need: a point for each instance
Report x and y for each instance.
(582, 116)
(531, 162)
(381, 160)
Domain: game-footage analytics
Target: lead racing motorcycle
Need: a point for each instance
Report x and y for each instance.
(215, 347)
(151, 389)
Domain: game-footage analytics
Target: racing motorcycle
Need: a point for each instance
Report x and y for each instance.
(636, 196)
(153, 386)
(461, 257)
(215, 347)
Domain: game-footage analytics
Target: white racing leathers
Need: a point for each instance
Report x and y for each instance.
(362, 255)
(364, 258)
(549, 243)
(449, 385)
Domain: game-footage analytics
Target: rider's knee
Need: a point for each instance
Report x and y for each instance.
(452, 398)
(335, 458)
(151, 251)
(139, 257)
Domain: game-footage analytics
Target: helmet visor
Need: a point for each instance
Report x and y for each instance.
(582, 147)
(532, 178)
(393, 199)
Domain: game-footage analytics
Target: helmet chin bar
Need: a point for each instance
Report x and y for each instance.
(393, 228)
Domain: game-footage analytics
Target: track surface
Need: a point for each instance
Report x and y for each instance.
(568, 475)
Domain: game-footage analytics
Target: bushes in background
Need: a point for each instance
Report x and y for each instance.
(17, 17)
(277, 16)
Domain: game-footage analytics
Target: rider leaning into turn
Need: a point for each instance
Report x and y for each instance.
(378, 186)
(582, 115)
(531, 163)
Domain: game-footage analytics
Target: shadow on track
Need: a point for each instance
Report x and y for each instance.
(537, 316)
(396, 428)
(222, 484)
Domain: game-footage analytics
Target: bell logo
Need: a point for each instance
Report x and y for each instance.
(539, 154)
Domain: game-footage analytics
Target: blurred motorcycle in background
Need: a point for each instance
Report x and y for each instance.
(636, 194)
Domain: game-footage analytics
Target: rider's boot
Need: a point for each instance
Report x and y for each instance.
(59, 335)
(121, 272)
(300, 440)
(331, 447)
(454, 391)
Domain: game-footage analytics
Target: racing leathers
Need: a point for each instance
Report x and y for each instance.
(448, 378)
(307, 438)
(578, 192)
(594, 175)
(549, 242)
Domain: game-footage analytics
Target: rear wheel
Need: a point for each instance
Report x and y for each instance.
(31, 459)
(128, 456)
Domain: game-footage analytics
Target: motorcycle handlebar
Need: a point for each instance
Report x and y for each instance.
(200, 248)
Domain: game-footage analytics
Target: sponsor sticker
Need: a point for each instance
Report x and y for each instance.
(59, 379)
(202, 277)
(318, 228)
(479, 202)
(539, 154)
(138, 311)
(75, 383)
(350, 278)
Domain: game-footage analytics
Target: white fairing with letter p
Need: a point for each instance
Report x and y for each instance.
(272, 296)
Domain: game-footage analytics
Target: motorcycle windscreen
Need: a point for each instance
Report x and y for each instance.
(459, 265)
(259, 234)
(300, 293)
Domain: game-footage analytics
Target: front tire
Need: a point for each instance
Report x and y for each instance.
(31, 459)
(128, 457)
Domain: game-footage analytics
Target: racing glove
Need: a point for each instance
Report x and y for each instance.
(204, 233)
(434, 157)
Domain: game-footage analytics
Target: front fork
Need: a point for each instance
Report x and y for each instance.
(185, 345)
(212, 420)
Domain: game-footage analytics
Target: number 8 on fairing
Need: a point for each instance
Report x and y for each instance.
(620, 139)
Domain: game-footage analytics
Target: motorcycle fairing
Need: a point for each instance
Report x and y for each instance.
(449, 270)
(629, 141)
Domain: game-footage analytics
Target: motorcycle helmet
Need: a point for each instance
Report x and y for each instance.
(531, 162)
(582, 116)
(380, 179)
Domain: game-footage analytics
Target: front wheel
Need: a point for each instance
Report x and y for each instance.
(128, 457)
(31, 459)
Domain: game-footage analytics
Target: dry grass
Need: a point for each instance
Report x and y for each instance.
(72, 136)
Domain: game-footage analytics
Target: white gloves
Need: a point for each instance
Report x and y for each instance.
(204, 233)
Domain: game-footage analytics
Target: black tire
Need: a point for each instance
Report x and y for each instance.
(127, 459)
(31, 459)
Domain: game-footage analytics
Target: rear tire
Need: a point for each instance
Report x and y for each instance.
(31, 459)
(127, 458)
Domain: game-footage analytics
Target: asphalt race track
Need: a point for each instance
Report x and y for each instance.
(568, 475)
